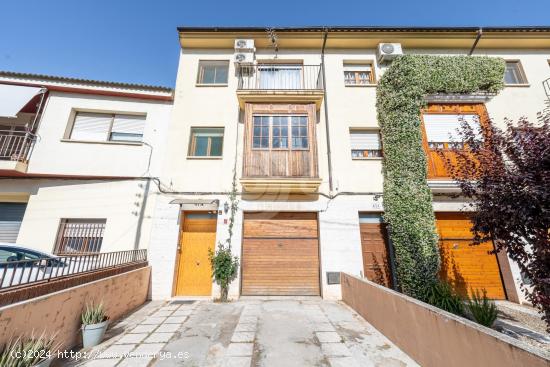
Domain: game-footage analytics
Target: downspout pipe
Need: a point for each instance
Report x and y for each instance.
(325, 36)
(478, 37)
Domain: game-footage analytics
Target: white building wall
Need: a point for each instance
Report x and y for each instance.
(55, 155)
(50, 200)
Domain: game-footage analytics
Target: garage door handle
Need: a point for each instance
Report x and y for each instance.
(198, 263)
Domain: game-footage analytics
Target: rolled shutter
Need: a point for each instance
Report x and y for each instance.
(91, 126)
(128, 128)
(445, 127)
(365, 140)
(11, 216)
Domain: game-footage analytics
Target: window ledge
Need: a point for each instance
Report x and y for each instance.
(192, 157)
(367, 159)
(102, 142)
(361, 85)
(521, 85)
(211, 85)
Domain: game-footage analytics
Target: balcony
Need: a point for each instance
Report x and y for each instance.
(280, 83)
(15, 149)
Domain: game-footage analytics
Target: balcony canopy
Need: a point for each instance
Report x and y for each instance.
(13, 98)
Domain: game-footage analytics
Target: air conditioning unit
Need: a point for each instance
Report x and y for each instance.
(243, 58)
(244, 44)
(388, 51)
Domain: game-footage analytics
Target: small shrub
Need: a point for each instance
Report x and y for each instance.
(93, 314)
(483, 310)
(27, 352)
(442, 295)
(225, 268)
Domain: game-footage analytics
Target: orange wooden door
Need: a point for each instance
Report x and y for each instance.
(194, 272)
(280, 254)
(464, 266)
(375, 255)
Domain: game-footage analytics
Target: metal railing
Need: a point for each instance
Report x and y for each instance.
(16, 145)
(15, 274)
(79, 236)
(546, 85)
(280, 77)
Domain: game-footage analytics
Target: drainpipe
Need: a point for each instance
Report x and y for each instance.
(478, 37)
(326, 109)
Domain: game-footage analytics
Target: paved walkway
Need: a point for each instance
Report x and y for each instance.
(279, 332)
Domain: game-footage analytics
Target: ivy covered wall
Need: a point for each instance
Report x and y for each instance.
(407, 198)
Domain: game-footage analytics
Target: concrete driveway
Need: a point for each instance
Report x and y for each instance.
(249, 332)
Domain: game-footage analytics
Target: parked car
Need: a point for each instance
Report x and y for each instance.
(19, 265)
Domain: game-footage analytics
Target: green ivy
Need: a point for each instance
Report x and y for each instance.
(408, 208)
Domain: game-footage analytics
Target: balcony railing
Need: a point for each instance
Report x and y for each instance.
(280, 77)
(16, 145)
(27, 272)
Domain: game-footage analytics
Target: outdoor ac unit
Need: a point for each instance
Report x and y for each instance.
(244, 44)
(388, 51)
(243, 58)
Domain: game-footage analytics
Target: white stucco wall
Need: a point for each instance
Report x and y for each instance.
(54, 155)
(49, 201)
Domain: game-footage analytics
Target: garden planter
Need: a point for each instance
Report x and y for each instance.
(93, 334)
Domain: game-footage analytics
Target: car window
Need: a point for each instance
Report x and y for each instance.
(5, 254)
(28, 255)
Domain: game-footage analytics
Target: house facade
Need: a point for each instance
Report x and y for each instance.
(289, 117)
(75, 159)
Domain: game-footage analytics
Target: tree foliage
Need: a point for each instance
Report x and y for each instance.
(506, 176)
(407, 198)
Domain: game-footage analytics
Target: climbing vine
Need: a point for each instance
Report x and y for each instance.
(401, 95)
(225, 266)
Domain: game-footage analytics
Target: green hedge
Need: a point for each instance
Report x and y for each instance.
(407, 198)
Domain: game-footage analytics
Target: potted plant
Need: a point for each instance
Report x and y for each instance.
(94, 324)
(29, 351)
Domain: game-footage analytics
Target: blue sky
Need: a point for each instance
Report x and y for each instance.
(136, 40)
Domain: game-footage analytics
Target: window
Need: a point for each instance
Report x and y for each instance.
(80, 236)
(206, 142)
(213, 72)
(365, 144)
(442, 130)
(359, 74)
(90, 126)
(276, 132)
(514, 73)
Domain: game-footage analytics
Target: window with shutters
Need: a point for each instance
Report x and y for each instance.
(365, 144)
(514, 74)
(80, 236)
(442, 130)
(206, 142)
(359, 74)
(442, 124)
(101, 127)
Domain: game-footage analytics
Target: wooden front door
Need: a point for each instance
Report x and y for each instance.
(280, 254)
(376, 264)
(464, 266)
(193, 270)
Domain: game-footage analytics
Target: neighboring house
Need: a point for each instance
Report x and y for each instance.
(74, 160)
(305, 146)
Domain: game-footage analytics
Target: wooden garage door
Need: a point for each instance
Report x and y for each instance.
(467, 267)
(376, 264)
(280, 254)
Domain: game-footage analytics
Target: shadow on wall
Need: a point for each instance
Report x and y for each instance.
(450, 272)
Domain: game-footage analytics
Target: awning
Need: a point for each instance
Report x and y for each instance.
(197, 204)
(14, 97)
